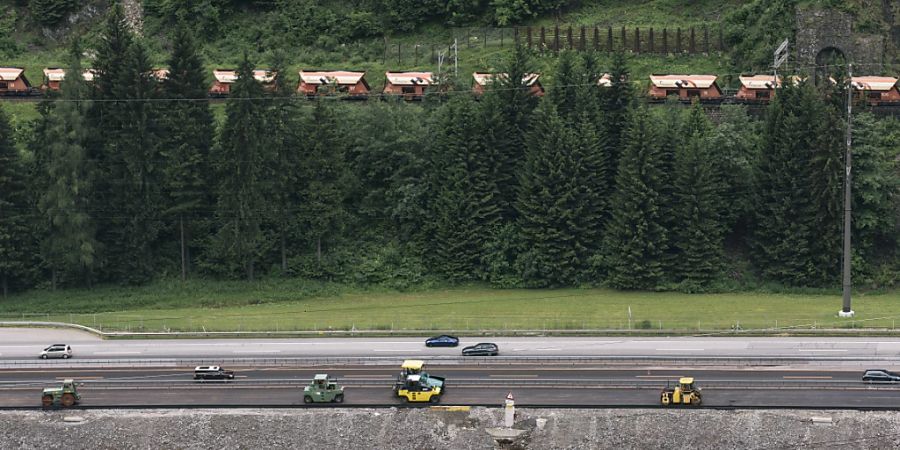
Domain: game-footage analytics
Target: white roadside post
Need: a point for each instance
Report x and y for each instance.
(509, 417)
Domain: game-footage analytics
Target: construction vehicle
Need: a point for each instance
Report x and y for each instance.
(323, 389)
(66, 395)
(415, 385)
(685, 393)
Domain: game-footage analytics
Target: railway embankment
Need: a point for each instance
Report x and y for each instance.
(424, 428)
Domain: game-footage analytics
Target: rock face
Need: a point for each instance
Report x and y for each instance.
(820, 30)
(446, 429)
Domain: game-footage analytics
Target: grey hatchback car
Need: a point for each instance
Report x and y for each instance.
(57, 351)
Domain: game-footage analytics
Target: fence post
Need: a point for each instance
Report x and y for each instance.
(528, 37)
(706, 40)
(432, 54)
(609, 39)
(556, 38)
(416, 53)
(582, 45)
(468, 38)
(624, 39)
(693, 47)
(569, 37)
(596, 37)
(637, 39)
(665, 48)
(678, 40)
(485, 37)
(543, 39)
(398, 55)
(651, 44)
(501, 37)
(384, 58)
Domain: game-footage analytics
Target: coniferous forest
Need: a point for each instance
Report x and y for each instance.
(126, 179)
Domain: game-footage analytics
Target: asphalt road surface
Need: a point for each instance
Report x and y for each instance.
(28, 343)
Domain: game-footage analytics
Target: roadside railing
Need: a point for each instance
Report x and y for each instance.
(604, 361)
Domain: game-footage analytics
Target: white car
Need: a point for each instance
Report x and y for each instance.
(57, 351)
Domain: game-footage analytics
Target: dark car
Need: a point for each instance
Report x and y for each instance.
(212, 373)
(881, 375)
(482, 349)
(444, 340)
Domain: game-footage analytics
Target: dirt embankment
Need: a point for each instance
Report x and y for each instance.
(441, 429)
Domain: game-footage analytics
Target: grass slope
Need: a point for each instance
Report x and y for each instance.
(280, 305)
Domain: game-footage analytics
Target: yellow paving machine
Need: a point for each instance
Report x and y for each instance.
(685, 393)
(415, 385)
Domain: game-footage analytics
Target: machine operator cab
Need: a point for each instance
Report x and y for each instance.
(417, 389)
(684, 393)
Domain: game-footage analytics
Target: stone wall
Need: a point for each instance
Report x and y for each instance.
(819, 29)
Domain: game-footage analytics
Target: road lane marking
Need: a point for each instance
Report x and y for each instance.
(513, 375)
(787, 377)
(658, 376)
(367, 376)
(257, 351)
(553, 349)
(396, 351)
(116, 353)
(79, 378)
(679, 349)
(821, 350)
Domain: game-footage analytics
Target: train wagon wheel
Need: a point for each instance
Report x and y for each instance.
(47, 401)
(67, 400)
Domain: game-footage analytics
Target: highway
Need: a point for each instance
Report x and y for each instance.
(25, 344)
(792, 372)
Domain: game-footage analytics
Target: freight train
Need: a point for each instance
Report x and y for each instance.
(756, 89)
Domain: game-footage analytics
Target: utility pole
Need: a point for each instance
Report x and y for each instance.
(846, 311)
(456, 58)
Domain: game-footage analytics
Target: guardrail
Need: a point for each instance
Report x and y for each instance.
(805, 330)
(300, 362)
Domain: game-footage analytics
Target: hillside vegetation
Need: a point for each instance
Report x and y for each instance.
(128, 180)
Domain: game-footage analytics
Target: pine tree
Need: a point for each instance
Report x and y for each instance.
(325, 173)
(697, 227)
(565, 92)
(876, 180)
(241, 159)
(635, 239)
(286, 170)
(785, 228)
(127, 150)
(464, 212)
(591, 151)
(556, 203)
(70, 246)
(508, 106)
(15, 236)
(188, 131)
(616, 100)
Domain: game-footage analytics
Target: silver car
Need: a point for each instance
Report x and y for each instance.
(57, 351)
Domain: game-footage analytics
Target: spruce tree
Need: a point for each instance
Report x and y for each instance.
(15, 236)
(508, 106)
(616, 100)
(565, 92)
(286, 168)
(70, 246)
(127, 150)
(635, 239)
(464, 211)
(785, 228)
(188, 130)
(241, 160)
(325, 173)
(557, 204)
(697, 228)
(597, 190)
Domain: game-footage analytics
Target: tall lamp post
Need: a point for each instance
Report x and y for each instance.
(846, 310)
